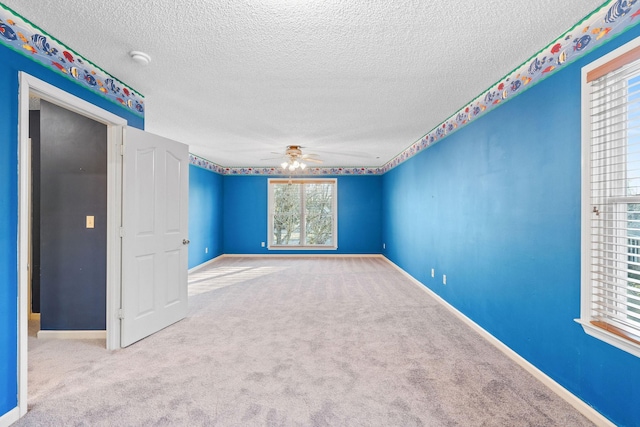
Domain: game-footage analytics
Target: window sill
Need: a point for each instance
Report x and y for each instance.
(615, 339)
(302, 248)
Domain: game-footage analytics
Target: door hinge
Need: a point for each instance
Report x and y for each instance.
(121, 231)
(120, 314)
(122, 149)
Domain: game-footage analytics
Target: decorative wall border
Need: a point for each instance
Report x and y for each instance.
(22, 36)
(611, 19)
(602, 25)
(276, 171)
(605, 23)
(205, 164)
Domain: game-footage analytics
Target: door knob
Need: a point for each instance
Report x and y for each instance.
(186, 241)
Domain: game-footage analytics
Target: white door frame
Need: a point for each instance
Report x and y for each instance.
(115, 125)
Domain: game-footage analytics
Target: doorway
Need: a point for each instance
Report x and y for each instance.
(146, 223)
(31, 86)
(69, 218)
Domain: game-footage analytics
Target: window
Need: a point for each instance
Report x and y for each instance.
(610, 283)
(303, 214)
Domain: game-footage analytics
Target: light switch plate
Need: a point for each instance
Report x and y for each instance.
(90, 221)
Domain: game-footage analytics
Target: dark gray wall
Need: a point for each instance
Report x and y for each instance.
(73, 159)
(34, 134)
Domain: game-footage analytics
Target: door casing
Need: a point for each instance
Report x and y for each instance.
(115, 125)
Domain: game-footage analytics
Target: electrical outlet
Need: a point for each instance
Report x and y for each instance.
(444, 279)
(262, 244)
(384, 246)
(206, 250)
(433, 272)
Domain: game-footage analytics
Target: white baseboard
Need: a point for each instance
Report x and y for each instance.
(204, 264)
(280, 255)
(34, 316)
(594, 416)
(10, 417)
(72, 335)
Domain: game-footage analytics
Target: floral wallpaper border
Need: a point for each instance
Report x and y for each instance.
(608, 21)
(276, 171)
(24, 37)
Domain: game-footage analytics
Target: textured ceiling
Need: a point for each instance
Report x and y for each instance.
(356, 82)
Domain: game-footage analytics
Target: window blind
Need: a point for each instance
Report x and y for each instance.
(615, 198)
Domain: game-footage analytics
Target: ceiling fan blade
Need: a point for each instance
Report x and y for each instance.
(274, 158)
(347, 153)
(312, 160)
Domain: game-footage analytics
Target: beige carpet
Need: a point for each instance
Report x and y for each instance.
(294, 342)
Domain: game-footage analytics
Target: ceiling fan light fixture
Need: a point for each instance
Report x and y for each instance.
(295, 159)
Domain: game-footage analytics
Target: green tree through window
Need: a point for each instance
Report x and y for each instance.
(286, 220)
(302, 212)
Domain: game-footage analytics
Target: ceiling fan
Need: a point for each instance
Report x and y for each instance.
(294, 158)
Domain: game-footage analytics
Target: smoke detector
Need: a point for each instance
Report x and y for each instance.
(140, 57)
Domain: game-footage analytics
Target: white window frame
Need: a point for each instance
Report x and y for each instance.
(605, 218)
(271, 211)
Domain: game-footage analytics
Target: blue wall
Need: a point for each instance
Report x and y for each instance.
(496, 207)
(10, 64)
(359, 215)
(8, 232)
(205, 215)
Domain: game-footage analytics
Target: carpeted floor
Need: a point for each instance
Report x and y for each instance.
(294, 342)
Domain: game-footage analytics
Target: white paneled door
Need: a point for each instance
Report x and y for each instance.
(154, 242)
